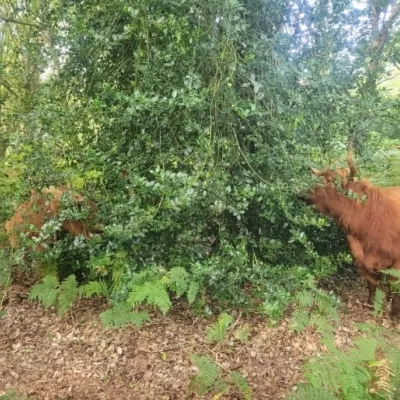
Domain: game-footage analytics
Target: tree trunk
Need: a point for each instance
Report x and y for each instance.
(381, 23)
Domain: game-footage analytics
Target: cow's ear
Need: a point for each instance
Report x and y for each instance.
(315, 171)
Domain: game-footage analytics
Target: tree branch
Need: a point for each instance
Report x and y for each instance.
(388, 24)
(8, 87)
(394, 14)
(379, 35)
(388, 79)
(16, 21)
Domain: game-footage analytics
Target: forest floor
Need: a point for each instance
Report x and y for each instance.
(47, 357)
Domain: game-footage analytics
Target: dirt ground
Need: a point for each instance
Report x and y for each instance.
(74, 357)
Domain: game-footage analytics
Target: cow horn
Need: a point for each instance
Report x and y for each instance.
(350, 160)
(315, 171)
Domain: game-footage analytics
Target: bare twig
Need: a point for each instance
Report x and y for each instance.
(389, 79)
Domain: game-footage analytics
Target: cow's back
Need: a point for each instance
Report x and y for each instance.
(31, 213)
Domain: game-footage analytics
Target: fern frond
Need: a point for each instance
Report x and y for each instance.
(208, 375)
(354, 379)
(321, 325)
(216, 331)
(383, 374)
(392, 272)
(51, 281)
(316, 298)
(152, 293)
(194, 289)
(300, 320)
(242, 385)
(394, 360)
(344, 372)
(45, 292)
(395, 284)
(178, 280)
(354, 373)
(364, 349)
(308, 392)
(117, 274)
(379, 302)
(5, 275)
(68, 292)
(146, 275)
(98, 288)
(315, 308)
(369, 328)
(159, 297)
(139, 294)
(121, 315)
(325, 305)
(305, 298)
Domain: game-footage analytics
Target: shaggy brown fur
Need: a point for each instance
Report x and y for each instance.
(41, 207)
(370, 217)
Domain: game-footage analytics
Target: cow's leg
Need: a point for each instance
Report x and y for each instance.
(358, 254)
(395, 309)
(373, 265)
(372, 282)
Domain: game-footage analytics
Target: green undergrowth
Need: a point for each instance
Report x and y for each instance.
(12, 395)
(211, 379)
(153, 289)
(189, 129)
(367, 369)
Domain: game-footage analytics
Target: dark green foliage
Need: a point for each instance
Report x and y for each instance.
(170, 128)
(192, 125)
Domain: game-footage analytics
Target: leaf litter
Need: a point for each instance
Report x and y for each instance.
(47, 357)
